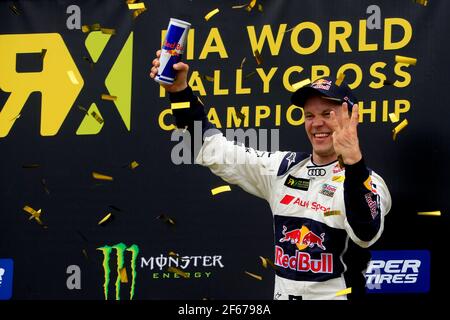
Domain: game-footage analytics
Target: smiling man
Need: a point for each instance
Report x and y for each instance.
(320, 207)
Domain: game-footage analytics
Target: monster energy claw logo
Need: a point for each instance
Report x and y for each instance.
(120, 252)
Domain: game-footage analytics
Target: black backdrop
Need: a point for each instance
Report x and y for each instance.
(233, 225)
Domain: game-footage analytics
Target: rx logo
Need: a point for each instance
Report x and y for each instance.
(60, 81)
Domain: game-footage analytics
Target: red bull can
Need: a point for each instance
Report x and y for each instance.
(172, 50)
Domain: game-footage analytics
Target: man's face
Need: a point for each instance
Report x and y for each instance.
(317, 120)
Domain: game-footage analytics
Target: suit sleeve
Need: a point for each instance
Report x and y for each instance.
(367, 201)
(248, 168)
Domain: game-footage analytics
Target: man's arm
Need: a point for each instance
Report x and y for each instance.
(367, 201)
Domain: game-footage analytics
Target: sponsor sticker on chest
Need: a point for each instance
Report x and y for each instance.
(297, 183)
(327, 190)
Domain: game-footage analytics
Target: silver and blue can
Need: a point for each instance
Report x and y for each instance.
(172, 50)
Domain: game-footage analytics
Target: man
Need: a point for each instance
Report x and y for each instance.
(319, 206)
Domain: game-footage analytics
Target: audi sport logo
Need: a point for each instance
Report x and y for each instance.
(316, 172)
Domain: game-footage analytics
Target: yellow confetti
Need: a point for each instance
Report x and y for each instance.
(239, 6)
(100, 176)
(134, 6)
(131, 1)
(92, 27)
(242, 63)
(97, 117)
(340, 78)
(34, 214)
(250, 5)
(429, 213)
(422, 2)
(173, 254)
(258, 57)
(301, 84)
(332, 213)
(166, 219)
(260, 7)
(257, 277)
(123, 275)
(178, 271)
(220, 189)
(338, 178)
(399, 128)
(211, 14)
(134, 165)
(106, 218)
(72, 77)
(267, 261)
(394, 118)
(407, 60)
(344, 292)
(180, 105)
(108, 31)
(207, 78)
(108, 97)
(137, 12)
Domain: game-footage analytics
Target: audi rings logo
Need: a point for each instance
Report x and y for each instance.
(316, 172)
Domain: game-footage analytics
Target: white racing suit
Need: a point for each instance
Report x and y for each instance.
(317, 209)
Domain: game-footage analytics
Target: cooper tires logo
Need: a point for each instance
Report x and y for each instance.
(316, 172)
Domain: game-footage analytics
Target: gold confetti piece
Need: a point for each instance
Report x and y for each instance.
(136, 13)
(30, 166)
(220, 189)
(123, 275)
(72, 77)
(180, 105)
(105, 218)
(100, 176)
(44, 184)
(422, 2)
(83, 109)
(173, 254)
(250, 5)
(207, 78)
(134, 165)
(340, 78)
(250, 74)
(211, 14)
(85, 254)
(289, 30)
(344, 292)
(34, 214)
(134, 6)
(242, 63)
(257, 277)
(260, 7)
(394, 118)
(332, 213)
(97, 117)
(178, 271)
(267, 261)
(14, 9)
(239, 6)
(301, 84)
(407, 60)
(108, 97)
(166, 219)
(92, 27)
(399, 128)
(108, 31)
(429, 213)
(338, 178)
(258, 57)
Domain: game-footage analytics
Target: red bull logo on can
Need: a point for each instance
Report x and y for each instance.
(303, 238)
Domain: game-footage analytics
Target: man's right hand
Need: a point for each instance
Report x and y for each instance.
(180, 82)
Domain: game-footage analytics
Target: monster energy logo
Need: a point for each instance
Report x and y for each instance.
(120, 253)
